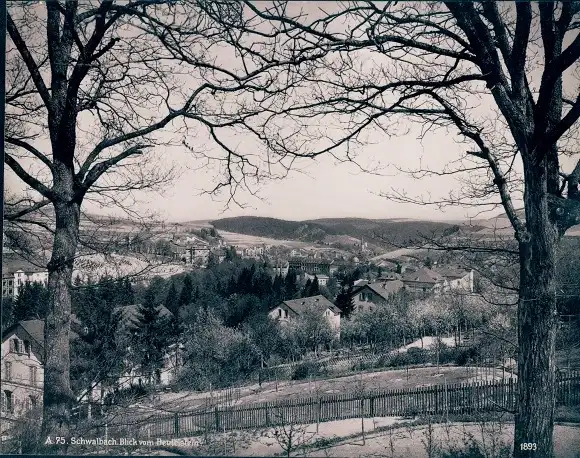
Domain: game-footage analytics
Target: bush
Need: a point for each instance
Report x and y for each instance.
(25, 436)
(308, 369)
(397, 360)
(417, 356)
(466, 355)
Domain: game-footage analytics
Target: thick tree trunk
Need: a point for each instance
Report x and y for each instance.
(58, 396)
(537, 319)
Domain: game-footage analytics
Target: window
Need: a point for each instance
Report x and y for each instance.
(33, 375)
(7, 404)
(8, 370)
(361, 297)
(15, 346)
(33, 402)
(27, 347)
(280, 313)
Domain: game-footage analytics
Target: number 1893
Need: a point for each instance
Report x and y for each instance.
(528, 446)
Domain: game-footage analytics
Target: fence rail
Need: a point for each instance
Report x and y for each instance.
(439, 399)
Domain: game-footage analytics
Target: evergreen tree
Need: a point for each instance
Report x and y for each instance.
(290, 285)
(306, 289)
(151, 336)
(314, 288)
(262, 284)
(31, 303)
(172, 300)
(124, 292)
(345, 301)
(277, 289)
(212, 261)
(186, 296)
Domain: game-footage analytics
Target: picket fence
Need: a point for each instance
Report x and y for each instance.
(440, 399)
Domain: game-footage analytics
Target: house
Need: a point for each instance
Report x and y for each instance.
(437, 281)
(16, 272)
(128, 317)
(310, 266)
(281, 268)
(198, 253)
(22, 369)
(367, 296)
(425, 280)
(458, 278)
(291, 309)
(322, 279)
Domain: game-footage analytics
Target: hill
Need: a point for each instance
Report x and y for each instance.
(380, 232)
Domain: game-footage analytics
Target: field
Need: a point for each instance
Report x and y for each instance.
(272, 391)
(233, 238)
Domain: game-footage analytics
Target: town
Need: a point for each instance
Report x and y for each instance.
(241, 315)
(238, 228)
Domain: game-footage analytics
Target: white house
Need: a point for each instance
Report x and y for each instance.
(22, 369)
(291, 309)
(16, 272)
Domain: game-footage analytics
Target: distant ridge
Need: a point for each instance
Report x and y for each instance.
(380, 232)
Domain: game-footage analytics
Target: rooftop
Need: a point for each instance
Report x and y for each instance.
(385, 288)
(35, 329)
(424, 275)
(298, 306)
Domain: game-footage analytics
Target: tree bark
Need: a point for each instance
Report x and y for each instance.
(58, 396)
(537, 319)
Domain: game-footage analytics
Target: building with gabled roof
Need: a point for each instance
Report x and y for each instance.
(425, 280)
(22, 369)
(366, 297)
(291, 309)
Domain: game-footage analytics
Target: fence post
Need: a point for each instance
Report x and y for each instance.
(176, 425)
(436, 399)
(217, 419)
(372, 406)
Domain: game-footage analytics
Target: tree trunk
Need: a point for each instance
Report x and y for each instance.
(537, 319)
(58, 396)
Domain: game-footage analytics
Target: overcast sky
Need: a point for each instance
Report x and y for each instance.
(320, 189)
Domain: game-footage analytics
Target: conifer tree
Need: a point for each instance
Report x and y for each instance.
(31, 302)
(186, 296)
(151, 335)
(314, 287)
(345, 300)
(172, 301)
(290, 285)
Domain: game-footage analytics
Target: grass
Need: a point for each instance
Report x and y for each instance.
(377, 380)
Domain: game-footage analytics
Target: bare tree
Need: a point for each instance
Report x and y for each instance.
(498, 75)
(90, 88)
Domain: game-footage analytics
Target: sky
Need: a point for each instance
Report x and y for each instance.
(316, 189)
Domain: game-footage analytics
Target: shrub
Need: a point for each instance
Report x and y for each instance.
(25, 436)
(466, 355)
(397, 360)
(417, 355)
(308, 369)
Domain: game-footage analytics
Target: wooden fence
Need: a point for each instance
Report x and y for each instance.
(440, 399)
